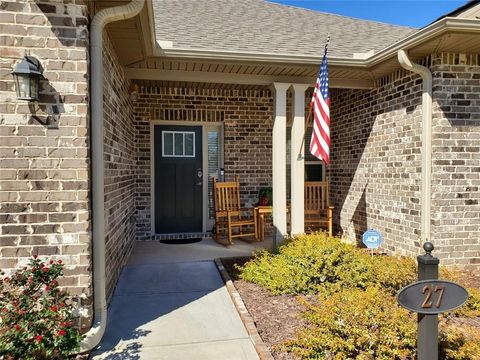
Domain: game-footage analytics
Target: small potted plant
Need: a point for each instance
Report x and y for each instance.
(265, 196)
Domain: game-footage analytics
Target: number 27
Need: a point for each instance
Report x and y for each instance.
(428, 291)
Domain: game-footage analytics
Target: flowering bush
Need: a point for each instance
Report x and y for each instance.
(36, 320)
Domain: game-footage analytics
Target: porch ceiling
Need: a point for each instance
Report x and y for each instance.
(189, 70)
(197, 85)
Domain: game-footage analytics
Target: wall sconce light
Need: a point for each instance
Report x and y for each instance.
(26, 75)
(134, 90)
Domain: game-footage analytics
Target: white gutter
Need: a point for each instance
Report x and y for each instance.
(426, 141)
(427, 33)
(102, 18)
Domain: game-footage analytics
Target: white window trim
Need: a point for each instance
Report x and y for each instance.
(173, 143)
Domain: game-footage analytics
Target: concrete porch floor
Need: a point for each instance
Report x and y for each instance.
(171, 303)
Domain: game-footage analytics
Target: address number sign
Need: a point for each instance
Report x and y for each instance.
(432, 296)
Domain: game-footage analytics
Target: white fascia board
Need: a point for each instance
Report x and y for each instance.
(442, 26)
(202, 54)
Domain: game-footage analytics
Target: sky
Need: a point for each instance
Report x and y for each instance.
(414, 13)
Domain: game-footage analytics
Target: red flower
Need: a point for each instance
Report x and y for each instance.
(51, 262)
(38, 338)
(47, 288)
(35, 256)
(59, 261)
(54, 308)
(62, 305)
(61, 332)
(45, 269)
(17, 327)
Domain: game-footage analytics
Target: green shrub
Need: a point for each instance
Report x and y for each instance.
(459, 342)
(36, 319)
(357, 324)
(471, 308)
(393, 273)
(316, 263)
(308, 264)
(357, 316)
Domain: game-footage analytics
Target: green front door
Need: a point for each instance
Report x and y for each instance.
(178, 189)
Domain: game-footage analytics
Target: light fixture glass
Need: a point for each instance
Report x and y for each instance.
(26, 75)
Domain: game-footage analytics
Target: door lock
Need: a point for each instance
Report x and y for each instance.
(199, 179)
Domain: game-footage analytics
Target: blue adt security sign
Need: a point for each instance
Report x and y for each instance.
(372, 239)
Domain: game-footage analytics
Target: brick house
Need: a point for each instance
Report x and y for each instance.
(191, 90)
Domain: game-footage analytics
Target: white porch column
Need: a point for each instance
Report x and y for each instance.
(279, 162)
(297, 159)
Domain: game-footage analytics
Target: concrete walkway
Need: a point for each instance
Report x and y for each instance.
(173, 310)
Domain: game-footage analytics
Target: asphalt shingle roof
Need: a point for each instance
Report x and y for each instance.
(263, 27)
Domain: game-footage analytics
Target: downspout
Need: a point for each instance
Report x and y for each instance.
(426, 141)
(102, 18)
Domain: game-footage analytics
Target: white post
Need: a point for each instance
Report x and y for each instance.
(297, 159)
(279, 162)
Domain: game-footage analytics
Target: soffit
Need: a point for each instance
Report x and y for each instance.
(129, 37)
(244, 73)
(459, 42)
(152, 84)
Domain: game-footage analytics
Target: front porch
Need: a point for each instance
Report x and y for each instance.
(238, 129)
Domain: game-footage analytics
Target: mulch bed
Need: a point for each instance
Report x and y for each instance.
(278, 317)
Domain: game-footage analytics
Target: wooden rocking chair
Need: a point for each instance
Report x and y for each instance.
(229, 217)
(318, 212)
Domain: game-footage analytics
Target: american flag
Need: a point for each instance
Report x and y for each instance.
(320, 142)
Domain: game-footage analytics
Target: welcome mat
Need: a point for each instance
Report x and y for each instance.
(180, 241)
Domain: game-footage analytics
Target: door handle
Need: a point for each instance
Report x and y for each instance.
(199, 177)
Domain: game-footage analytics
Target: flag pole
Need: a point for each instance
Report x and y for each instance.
(307, 121)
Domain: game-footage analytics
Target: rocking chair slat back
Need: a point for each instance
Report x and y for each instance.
(227, 196)
(228, 212)
(318, 212)
(316, 195)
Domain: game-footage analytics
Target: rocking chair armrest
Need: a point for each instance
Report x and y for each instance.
(245, 209)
